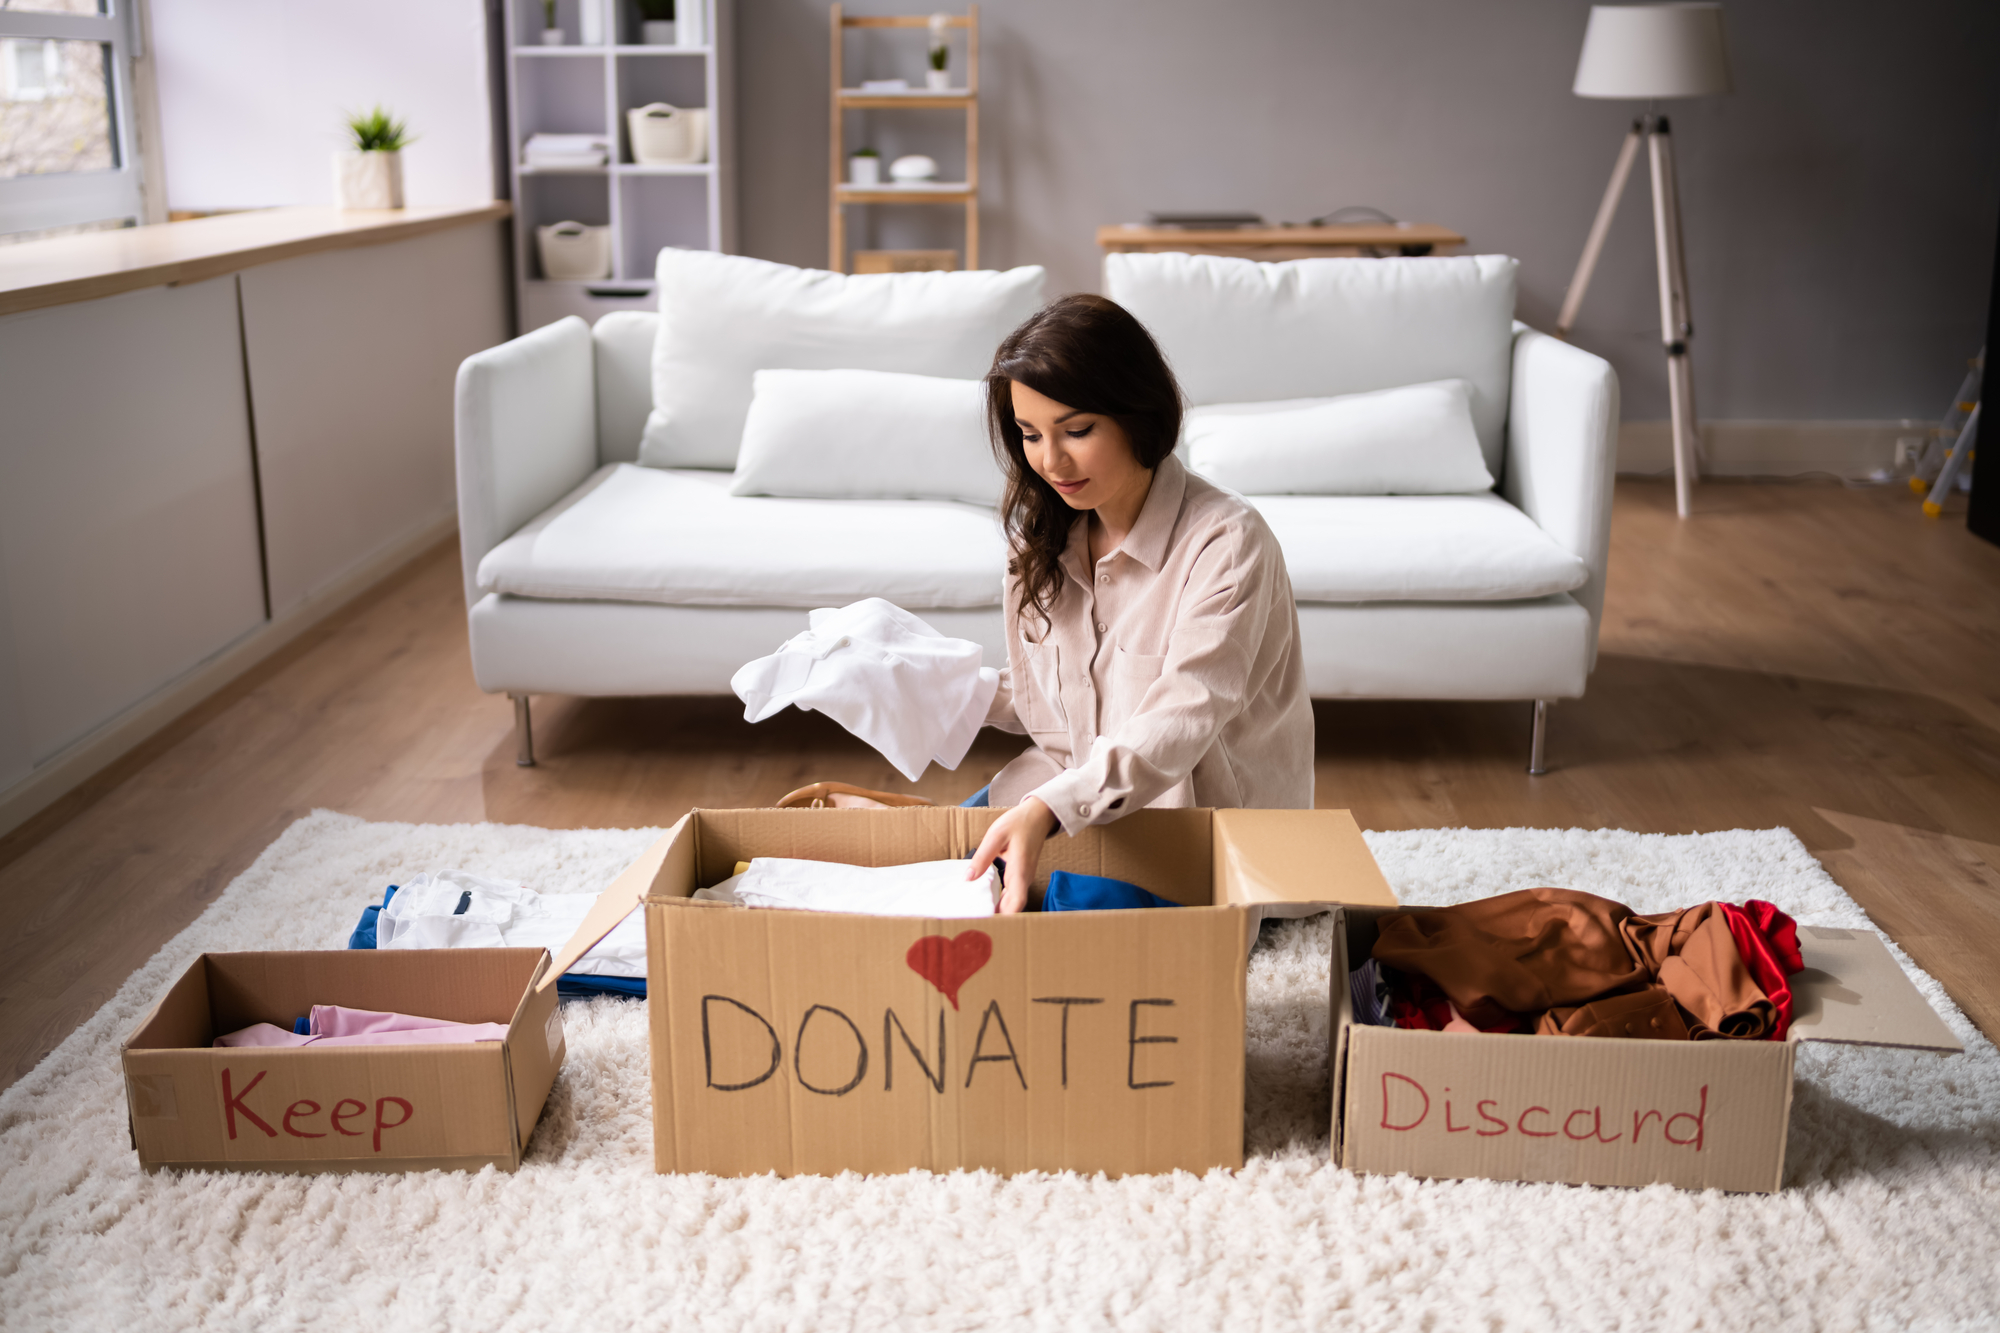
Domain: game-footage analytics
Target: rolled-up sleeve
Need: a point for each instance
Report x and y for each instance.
(1207, 678)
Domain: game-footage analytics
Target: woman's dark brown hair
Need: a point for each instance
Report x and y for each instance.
(1089, 354)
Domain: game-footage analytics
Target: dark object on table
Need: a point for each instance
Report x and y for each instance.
(1205, 221)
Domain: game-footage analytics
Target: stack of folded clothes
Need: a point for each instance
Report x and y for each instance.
(335, 1025)
(1558, 962)
(559, 151)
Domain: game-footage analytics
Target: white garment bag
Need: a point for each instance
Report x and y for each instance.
(912, 693)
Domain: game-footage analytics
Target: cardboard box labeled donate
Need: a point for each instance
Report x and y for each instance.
(809, 1042)
(353, 1108)
(1605, 1110)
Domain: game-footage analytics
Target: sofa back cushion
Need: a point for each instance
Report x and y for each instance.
(1237, 331)
(866, 435)
(725, 317)
(1413, 440)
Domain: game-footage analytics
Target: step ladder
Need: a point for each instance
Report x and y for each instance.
(1950, 451)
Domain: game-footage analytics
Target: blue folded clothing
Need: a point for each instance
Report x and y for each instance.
(1070, 892)
(567, 986)
(364, 934)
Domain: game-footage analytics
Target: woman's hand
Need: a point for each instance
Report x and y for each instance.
(1015, 837)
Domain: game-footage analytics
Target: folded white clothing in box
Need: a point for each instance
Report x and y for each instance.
(456, 910)
(566, 150)
(921, 888)
(886, 676)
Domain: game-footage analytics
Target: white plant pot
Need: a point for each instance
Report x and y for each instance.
(368, 180)
(693, 22)
(864, 171)
(938, 80)
(552, 36)
(657, 32)
(664, 135)
(572, 252)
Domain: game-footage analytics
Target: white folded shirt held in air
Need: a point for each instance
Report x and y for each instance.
(912, 693)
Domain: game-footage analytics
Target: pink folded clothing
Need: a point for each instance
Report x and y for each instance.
(333, 1025)
(332, 1020)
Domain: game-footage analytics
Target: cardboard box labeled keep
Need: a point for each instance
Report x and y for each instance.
(809, 1042)
(352, 1108)
(1605, 1110)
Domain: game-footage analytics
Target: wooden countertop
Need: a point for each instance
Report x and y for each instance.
(37, 274)
(1132, 236)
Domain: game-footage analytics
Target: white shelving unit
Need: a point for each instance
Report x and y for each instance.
(574, 89)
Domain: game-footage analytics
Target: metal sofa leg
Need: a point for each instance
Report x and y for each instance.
(1539, 734)
(524, 733)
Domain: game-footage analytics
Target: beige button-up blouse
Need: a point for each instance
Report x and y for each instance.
(1172, 674)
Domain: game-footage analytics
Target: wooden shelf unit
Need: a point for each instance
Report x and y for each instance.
(840, 194)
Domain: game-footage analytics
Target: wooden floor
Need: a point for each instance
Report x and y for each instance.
(1797, 655)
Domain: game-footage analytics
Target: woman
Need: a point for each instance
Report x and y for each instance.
(1152, 642)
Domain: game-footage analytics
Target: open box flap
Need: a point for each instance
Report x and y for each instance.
(1852, 991)
(1276, 856)
(614, 904)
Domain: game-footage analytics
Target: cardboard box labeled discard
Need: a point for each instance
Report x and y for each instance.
(350, 1108)
(1605, 1110)
(809, 1042)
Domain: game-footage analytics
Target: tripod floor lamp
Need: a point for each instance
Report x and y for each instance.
(1651, 52)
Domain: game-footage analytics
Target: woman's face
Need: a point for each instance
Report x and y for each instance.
(1086, 456)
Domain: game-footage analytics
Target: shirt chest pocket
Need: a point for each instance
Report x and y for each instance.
(1131, 675)
(1040, 705)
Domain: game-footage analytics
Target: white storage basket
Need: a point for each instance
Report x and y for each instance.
(664, 135)
(572, 252)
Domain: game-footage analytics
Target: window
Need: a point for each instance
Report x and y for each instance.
(67, 156)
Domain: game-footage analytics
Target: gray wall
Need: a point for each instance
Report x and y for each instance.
(1840, 207)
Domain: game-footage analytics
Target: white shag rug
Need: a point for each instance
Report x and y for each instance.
(1890, 1218)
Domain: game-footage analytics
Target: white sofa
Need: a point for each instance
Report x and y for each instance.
(586, 574)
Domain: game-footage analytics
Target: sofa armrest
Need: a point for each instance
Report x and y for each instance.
(1562, 452)
(527, 434)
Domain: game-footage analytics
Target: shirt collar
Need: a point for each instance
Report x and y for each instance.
(1147, 541)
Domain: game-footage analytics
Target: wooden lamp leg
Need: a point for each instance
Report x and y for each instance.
(1676, 319)
(1586, 265)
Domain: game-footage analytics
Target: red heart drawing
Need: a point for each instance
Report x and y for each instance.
(947, 963)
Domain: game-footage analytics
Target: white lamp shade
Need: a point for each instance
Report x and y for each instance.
(1648, 51)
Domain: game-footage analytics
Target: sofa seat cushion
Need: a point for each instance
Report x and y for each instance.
(1423, 548)
(640, 534)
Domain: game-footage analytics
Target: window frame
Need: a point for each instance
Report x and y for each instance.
(70, 198)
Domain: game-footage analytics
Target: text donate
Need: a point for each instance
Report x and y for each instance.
(742, 1048)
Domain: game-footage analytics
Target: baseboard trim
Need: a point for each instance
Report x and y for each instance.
(1746, 448)
(74, 765)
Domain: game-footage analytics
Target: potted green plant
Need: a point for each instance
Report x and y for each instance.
(938, 77)
(551, 34)
(369, 174)
(864, 167)
(656, 22)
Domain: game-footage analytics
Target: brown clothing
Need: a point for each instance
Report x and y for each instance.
(1171, 674)
(1585, 964)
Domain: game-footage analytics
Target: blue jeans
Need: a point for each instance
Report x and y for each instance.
(978, 799)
